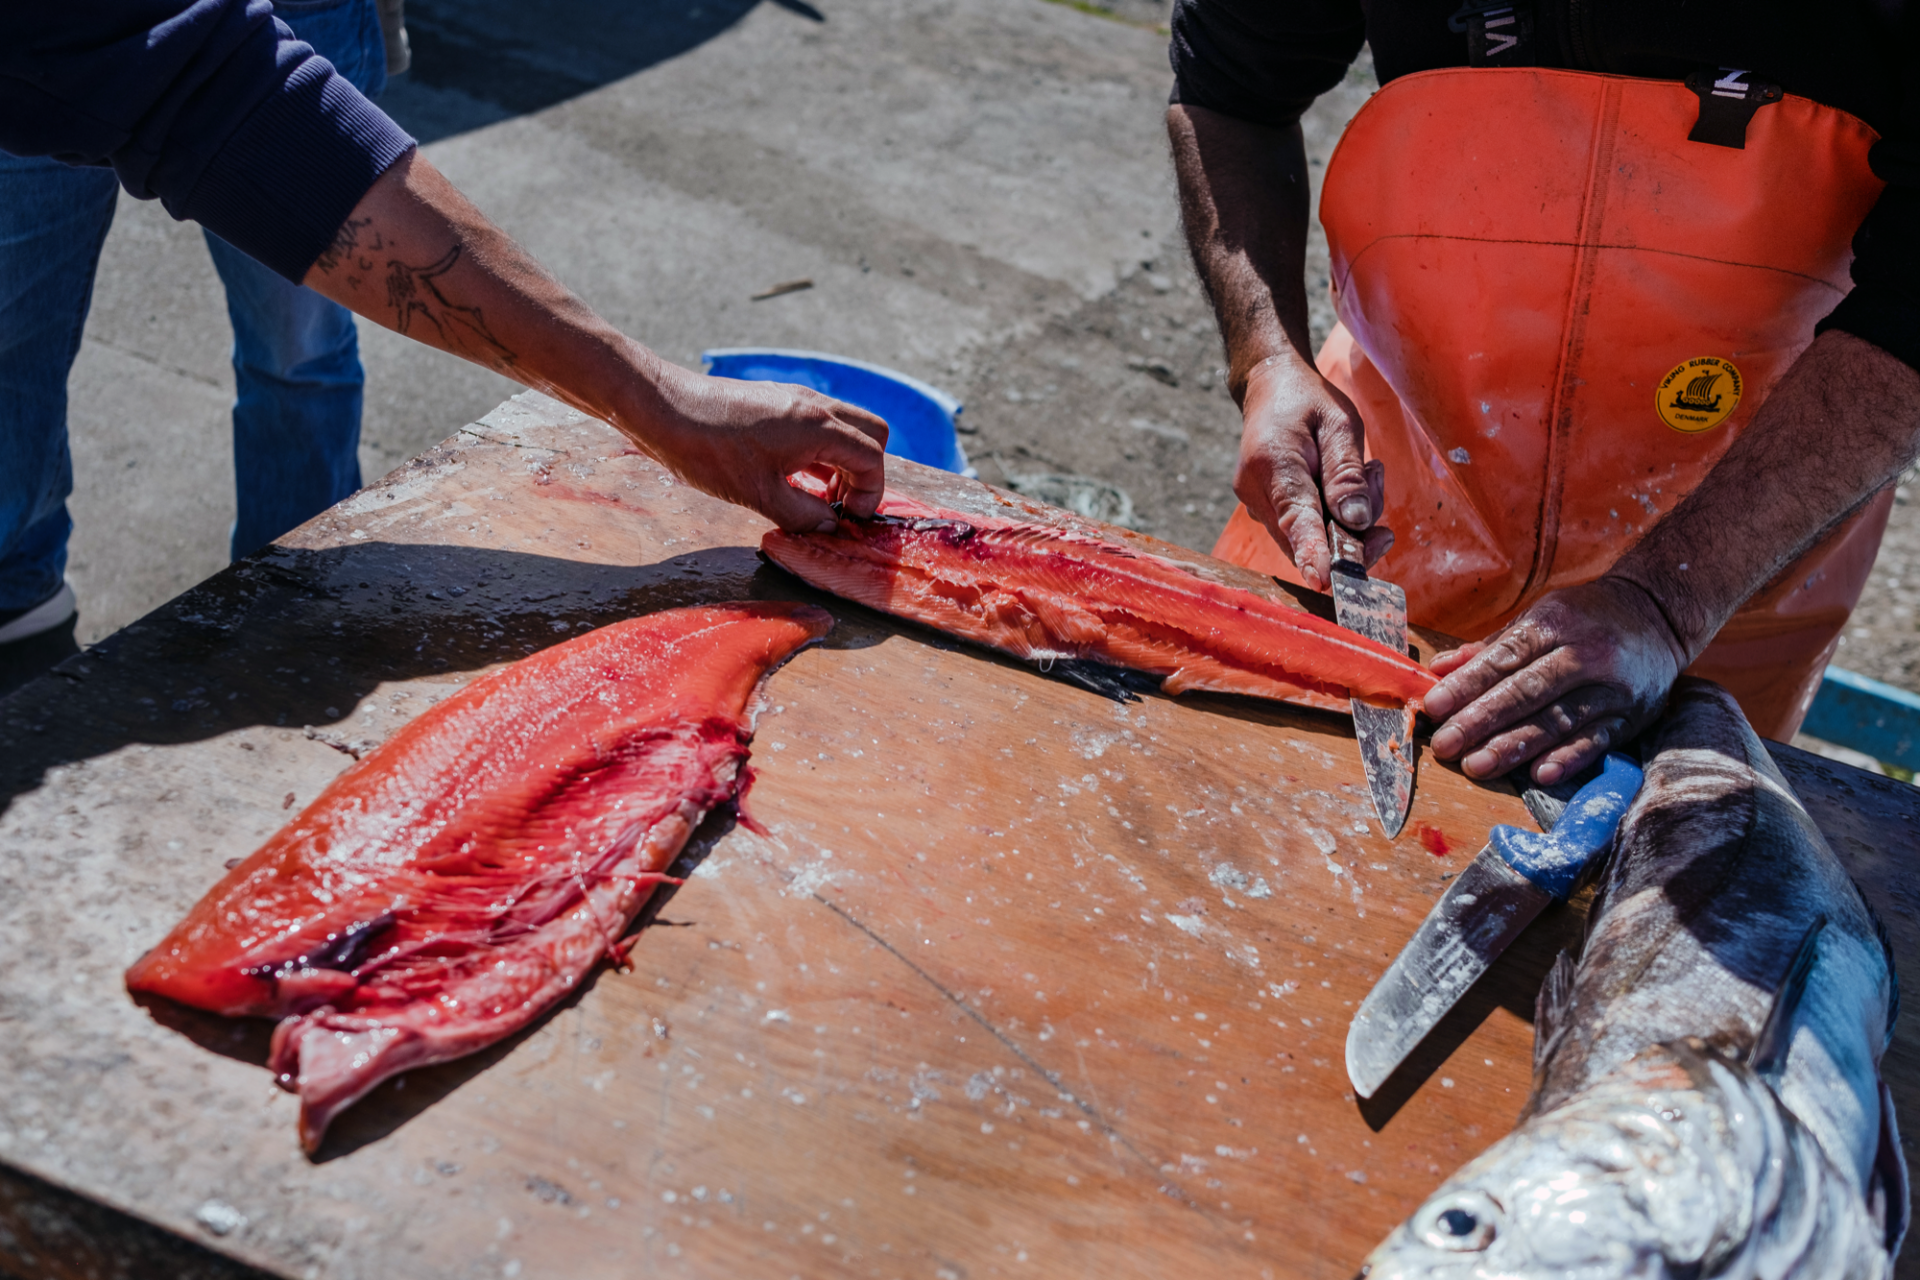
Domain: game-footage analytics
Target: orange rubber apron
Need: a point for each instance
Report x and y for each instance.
(1556, 313)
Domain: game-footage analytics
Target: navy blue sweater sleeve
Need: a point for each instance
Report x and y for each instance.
(1261, 61)
(211, 105)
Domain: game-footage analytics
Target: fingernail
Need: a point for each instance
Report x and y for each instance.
(1548, 773)
(826, 526)
(1480, 764)
(1438, 705)
(1353, 512)
(1447, 743)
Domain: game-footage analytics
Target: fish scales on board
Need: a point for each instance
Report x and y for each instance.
(1707, 1097)
(1044, 594)
(453, 885)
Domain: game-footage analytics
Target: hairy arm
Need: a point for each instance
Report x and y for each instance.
(1244, 201)
(417, 257)
(1841, 425)
(1586, 668)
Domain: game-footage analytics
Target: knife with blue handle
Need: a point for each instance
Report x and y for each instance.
(1507, 884)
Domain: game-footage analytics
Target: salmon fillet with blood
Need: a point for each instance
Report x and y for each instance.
(448, 889)
(1041, 593)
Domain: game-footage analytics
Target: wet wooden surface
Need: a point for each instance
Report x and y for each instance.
(1022, 981)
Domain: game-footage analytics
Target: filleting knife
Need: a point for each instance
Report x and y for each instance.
(1378, 611)
(1507, 884)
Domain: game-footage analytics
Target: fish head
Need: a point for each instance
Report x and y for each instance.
(1629, 1179)
(1519, 1216)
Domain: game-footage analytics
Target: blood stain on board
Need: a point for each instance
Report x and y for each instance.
(1434, 841)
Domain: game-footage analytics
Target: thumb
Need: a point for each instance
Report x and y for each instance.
(1343, 472)
(795, 510)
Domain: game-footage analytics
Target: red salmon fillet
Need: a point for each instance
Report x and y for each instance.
(1040, 593)
(445, 891)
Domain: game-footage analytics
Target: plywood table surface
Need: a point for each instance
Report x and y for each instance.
(1020, 981)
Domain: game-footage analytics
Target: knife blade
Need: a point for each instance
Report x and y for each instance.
(1378, 611)
(1509, 882)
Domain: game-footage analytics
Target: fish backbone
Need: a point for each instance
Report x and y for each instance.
(1044, 594)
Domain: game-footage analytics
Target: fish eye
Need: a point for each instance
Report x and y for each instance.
(1460, 1223)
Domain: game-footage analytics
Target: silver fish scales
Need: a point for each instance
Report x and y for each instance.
(1707, 1097)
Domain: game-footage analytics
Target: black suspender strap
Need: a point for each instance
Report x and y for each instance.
(1499, 32)
(1728, 99)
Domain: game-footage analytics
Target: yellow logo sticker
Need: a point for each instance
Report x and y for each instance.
(1698, 394)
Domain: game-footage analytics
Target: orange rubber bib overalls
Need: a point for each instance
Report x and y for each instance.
(1556, 313)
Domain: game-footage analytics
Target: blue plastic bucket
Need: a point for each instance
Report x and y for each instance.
(921, 417)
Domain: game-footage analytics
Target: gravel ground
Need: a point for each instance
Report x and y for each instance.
(1139, 374)
(1882, 640)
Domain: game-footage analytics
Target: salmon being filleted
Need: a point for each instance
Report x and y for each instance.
(1045, 595)
(453, 885)
(1707, 1096)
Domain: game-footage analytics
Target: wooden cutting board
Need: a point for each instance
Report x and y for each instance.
(1021, 981)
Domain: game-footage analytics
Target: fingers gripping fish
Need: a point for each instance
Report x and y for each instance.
(1707, 1097)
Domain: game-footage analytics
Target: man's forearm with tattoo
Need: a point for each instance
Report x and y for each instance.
(417, 301)
(417, 257)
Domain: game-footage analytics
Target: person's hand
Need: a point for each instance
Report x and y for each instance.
(742, 440)
(1580, 671)
(1302, 447)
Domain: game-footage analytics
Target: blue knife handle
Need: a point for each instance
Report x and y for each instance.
(1554, 861)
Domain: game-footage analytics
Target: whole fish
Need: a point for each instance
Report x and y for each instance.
(452, 886)
(1045, 594)
(1707, 1098)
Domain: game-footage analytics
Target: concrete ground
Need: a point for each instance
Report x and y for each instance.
(978, 190)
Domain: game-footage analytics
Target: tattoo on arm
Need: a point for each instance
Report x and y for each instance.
(415, 296)
(354, 239)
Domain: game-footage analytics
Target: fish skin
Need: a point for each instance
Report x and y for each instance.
(1045, 594)
(447, 889)
(1649, 1147)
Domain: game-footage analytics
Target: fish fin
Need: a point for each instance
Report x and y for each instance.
(1888, 1196)
(1118, 683)
(1769, 1055)
(1550, 1010)
(1893, 976)
(1198, 673)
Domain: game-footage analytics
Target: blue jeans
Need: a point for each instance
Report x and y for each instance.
(296, 359)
